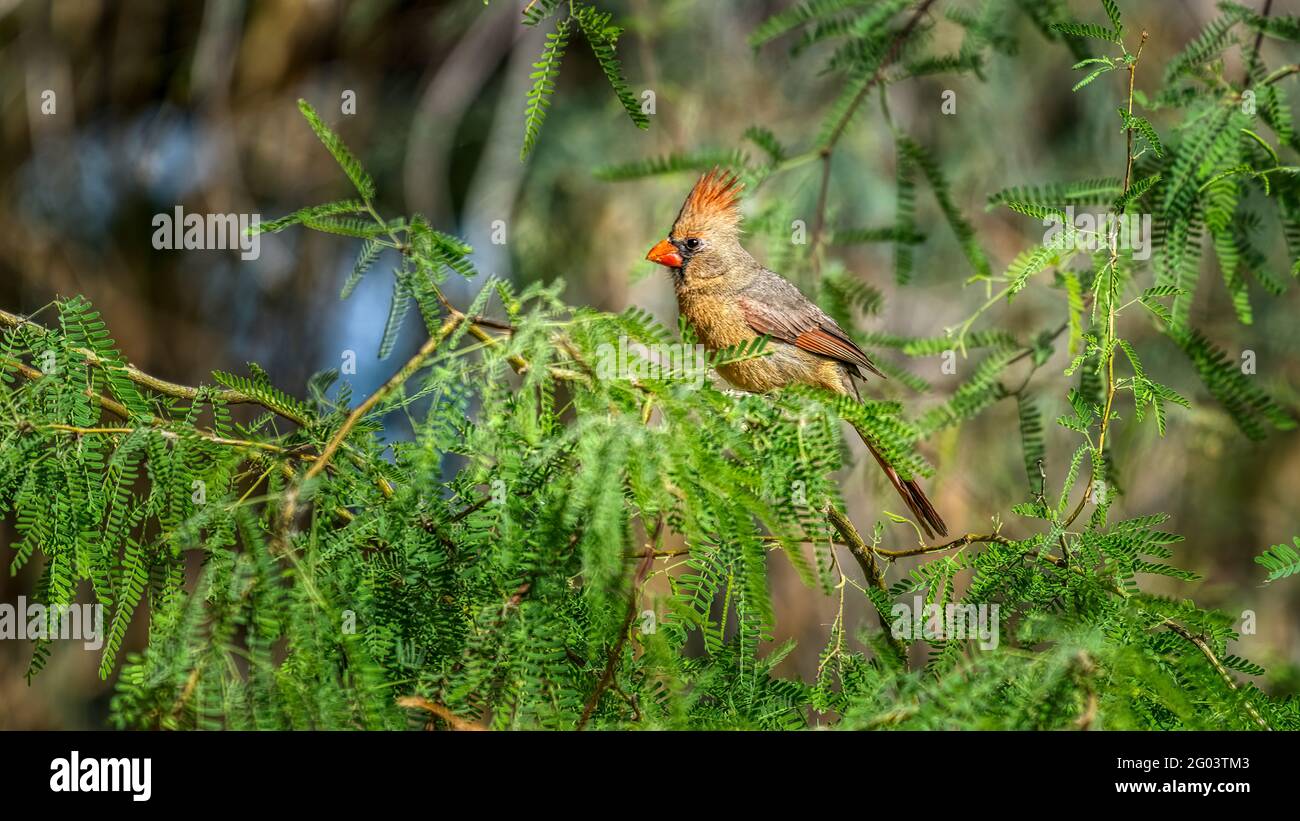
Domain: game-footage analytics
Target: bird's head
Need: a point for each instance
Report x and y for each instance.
(705, 239)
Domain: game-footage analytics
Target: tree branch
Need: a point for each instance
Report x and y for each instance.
(394, 382)
(819, 221)
(616, 654)
(153, 383)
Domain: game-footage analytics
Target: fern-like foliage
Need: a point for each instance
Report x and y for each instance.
(1280, 560)
(545, 72)
(305, 570)
(602, 36)
(598, 29)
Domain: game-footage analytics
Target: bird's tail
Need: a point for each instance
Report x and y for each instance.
(912, 494)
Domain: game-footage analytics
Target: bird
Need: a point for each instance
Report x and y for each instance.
(730, 299)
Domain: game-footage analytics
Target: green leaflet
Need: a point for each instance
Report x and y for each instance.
(598, 29)
(1280, 560)
(545, 72)
(484, 552)
(351, 167)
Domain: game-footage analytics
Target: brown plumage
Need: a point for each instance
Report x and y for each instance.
(730, 299)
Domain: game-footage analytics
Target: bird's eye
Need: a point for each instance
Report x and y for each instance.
(693, 244)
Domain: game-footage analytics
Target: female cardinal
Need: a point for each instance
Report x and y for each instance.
(730, 299)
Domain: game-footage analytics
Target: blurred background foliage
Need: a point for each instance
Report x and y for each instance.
(160, 104)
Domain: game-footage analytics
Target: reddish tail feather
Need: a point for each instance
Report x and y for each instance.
(912, 494)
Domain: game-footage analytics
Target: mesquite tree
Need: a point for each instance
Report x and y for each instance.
(492, 568)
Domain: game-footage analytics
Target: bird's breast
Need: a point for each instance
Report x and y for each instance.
(717, 320)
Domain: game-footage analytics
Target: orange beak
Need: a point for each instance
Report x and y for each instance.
(665, 253)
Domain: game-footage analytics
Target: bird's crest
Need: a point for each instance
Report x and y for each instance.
(713, 202)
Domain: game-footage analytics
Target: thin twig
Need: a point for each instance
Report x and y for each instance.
(394, 382)
(1259, 41)
(32, 374)
(968, 539)
(174, 436)
(1110, 306)
(163, 386)
(1280, 72)
(875, 576)
(1207, 651)
(963, 541)
(616, 654)
(289, 505)
(1196, 641)
(857, 546)
(819, 220)
(825, 152)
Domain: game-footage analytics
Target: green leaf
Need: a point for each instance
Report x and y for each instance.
(767, 141)
(1092, 75)
(314, 212)
(602, 36)
(351, 166)
(1281, 560)
(1112, 11)
(965, 234)
(1097, 191)
(397, 309)
(1209, 44)
(1086, 30)
(705, 160)
(370, 251)
(1041, 212)
(1135, 192)
(1144, 128)
(797, 15)
(1247, 403)
(538, 10)
(888, 233)
(545, 72)
(1033, 444)
(1025, 265)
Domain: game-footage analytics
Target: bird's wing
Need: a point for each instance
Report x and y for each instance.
(773, 306)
